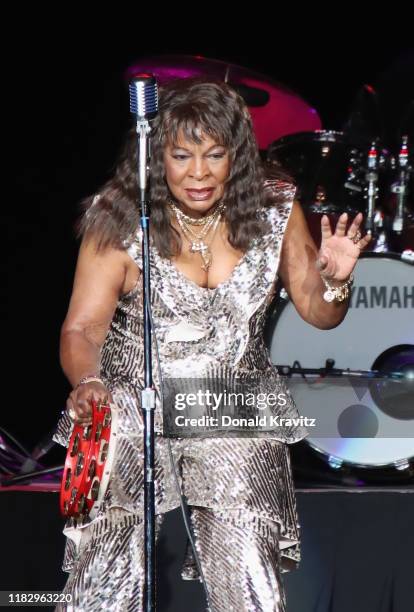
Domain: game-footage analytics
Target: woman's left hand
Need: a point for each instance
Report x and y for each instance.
(339, 252)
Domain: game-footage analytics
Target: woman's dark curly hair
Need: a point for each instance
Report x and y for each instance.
(188, 107)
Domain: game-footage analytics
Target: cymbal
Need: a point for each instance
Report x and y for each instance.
(276, 110)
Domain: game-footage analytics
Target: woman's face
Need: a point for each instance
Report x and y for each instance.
(196, 173)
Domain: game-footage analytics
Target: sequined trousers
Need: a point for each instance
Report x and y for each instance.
(241, 568)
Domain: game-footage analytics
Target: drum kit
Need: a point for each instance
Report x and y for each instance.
(363, 407)
(335, 175)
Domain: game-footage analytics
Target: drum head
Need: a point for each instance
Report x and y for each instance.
(365, 422)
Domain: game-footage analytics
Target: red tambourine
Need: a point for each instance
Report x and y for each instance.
(88, 463)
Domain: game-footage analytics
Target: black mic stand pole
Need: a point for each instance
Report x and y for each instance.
(143, 91)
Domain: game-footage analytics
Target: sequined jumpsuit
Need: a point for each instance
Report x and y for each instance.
(240, 490)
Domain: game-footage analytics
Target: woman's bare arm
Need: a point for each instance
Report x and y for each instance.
(100, 279)
(301, 277)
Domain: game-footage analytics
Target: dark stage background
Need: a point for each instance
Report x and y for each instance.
(67, 112)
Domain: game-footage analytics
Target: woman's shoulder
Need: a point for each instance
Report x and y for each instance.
(279, 191)
(280, 195)
(278, 205)
(105, 218)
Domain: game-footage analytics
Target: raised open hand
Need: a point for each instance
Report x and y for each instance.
(340, 250)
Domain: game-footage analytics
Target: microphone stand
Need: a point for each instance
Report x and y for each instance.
(143, 90)
(148, 407)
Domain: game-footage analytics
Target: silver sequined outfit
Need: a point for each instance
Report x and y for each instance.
(243, 486)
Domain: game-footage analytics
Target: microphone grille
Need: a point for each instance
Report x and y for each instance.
(143, 96)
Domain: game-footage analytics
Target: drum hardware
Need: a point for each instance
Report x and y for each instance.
(371, 195)
(334, 462)
(325, 372)
(355, 180)
(375, 222)
(381, 234)
(393, 221)
(408, 256)
(335, 174)
(321, 162)
(399, 207)
(400, 186)
(402, 465)
(350, 182)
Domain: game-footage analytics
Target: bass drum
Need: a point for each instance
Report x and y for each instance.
(366, 422)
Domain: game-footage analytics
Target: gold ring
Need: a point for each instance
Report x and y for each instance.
(356, 238)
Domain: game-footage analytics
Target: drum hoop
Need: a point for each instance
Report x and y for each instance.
(312, 135)
(354, 464)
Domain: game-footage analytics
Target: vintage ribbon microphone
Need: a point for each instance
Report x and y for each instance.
(143, 92)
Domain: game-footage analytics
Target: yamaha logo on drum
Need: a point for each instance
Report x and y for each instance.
(374, 296)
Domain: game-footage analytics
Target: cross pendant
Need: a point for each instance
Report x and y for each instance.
(198, 247)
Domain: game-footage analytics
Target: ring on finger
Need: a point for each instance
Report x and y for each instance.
(72, 414)
(355, 238)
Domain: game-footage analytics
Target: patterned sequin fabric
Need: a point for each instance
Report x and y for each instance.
(203, 333)
(240, 566)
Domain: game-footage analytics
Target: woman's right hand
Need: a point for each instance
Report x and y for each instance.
(79, 401)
